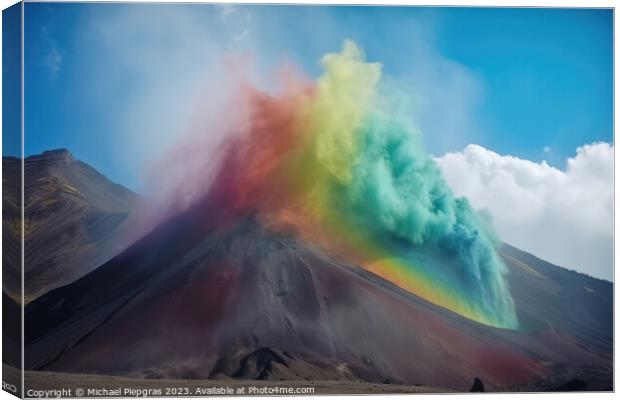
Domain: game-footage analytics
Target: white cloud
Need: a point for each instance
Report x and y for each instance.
(157, 68)
(53, 60)
(226, 10)
(565, 217)
(242, 35)
(53, 55)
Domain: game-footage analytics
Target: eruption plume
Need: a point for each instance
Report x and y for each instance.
(339, 162)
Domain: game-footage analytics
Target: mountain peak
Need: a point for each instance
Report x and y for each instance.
(55, 155)
(57, 151)
(65, 199)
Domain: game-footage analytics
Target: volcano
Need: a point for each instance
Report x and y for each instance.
(206, 296)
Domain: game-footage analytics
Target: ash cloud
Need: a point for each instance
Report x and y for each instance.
(339, 157)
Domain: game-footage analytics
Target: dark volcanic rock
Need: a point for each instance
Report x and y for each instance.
(244, 302)
(259, 364)
(203, 296)
(11, 332)
(574, 385)
(478, 386)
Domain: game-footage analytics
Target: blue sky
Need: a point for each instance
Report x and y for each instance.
(118, 84)
(115, 83)
(11, 78)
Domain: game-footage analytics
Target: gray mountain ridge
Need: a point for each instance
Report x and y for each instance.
(74, 219)
(190, 301)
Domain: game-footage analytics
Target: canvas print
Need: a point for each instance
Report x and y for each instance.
(228, 199)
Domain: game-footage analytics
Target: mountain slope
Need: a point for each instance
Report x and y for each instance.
(188, 301)
(74, 219)
(570, 317)
(11, 227)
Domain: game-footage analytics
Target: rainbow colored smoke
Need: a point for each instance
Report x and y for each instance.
(339, 161)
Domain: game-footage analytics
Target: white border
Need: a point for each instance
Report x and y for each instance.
(475, 3)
